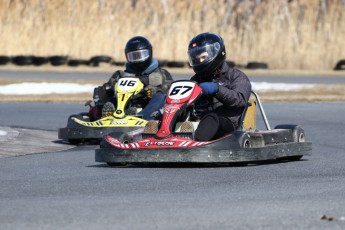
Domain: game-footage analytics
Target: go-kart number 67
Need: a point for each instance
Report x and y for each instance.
(179, 91)
(176, 90)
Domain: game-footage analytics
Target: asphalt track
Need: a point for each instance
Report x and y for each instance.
(68, 189)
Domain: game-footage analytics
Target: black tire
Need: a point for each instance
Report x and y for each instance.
(77, 62)
(118, 63)
(175, 64)
(257, 65)
(95, 60)
(22, 60)
(116, 164)
(105, 59)
(340, 65)
(75, 141)
(4, 60)
(292, 158)
(231, 64)
(58, 60)
(162, 63)
(39, 60)
(298, 135)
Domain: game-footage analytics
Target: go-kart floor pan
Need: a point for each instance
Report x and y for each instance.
(204, 154)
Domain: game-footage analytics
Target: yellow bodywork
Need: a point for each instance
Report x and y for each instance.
(125, 88)
(128, 121)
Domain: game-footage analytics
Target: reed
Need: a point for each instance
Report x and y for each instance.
(287, 34)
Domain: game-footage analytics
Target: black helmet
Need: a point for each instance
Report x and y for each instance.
(206, 53)
(138, 52)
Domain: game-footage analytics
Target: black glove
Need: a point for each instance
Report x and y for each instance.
(99, 96)
(110, 85)
(90, 103)
(150, 91)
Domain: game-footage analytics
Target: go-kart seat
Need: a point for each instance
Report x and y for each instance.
(248, 117)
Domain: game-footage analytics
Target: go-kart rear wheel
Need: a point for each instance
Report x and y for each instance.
(298, 135)
(293, 158)
(75, 141)
(297, 132)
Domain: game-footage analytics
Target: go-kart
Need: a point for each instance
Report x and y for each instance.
(80, 129)
(246, 144)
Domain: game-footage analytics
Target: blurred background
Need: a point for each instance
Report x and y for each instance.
(286, 34)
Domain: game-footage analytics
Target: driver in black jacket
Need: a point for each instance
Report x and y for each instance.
(226, 91)
(140, 64)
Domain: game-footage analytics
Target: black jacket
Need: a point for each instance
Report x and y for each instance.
(159, 78)
(231, 98)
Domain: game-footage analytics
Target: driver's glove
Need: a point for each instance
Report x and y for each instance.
(110, 85)
(90, 103)
(209, 87)
(150, 91)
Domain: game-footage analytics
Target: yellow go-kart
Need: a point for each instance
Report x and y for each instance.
(80, 129)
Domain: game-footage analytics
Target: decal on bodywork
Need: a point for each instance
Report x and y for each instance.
(173, 142)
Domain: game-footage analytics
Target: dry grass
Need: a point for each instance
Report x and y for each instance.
(297, 34)
(321, 93)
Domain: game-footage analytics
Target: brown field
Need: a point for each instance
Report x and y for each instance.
(287, 34)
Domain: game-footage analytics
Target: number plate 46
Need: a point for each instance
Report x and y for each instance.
(127, 85)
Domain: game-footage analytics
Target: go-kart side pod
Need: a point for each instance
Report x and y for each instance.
(78, 131)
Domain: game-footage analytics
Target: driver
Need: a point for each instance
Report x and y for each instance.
(226, 91)
(139, 64)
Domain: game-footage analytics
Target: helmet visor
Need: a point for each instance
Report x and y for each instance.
(138, 56)
(204, 54)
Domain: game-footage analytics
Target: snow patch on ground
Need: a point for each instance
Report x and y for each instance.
(31, 88)
(3, 133)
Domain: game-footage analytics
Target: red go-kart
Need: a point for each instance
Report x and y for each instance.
(169, 144)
